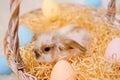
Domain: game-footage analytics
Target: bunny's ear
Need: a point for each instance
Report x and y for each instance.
(71, 44)
(68, 28)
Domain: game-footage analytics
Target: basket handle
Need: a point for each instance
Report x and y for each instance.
(111, 11)
(11, 43)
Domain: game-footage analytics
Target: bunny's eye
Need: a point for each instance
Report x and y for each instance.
(47, 49)
(70, 47)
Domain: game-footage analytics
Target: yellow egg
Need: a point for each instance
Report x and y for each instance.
(50, 9)
(62, 71)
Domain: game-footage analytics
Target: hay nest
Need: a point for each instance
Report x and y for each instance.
(93, 65)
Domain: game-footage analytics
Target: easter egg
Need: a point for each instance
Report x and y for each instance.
(4, 68)
(113, 49)
(93, 3)
(62, 71)
(25, 35)
(50, 9)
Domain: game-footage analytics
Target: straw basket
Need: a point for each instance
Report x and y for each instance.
(11, 41)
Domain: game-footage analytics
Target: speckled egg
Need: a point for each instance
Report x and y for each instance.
(62, 71)
(113, 49)
(25, 35)
(4, 68)
(93, 3)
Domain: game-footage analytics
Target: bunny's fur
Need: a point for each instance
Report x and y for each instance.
(62, 43)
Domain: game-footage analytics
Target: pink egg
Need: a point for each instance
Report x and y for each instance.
(113, 49)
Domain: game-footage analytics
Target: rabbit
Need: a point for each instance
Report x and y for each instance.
(66, 42)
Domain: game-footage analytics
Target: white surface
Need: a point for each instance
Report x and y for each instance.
(8, 77)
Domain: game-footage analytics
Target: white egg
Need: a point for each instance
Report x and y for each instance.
(113, 49)
(62, 71)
